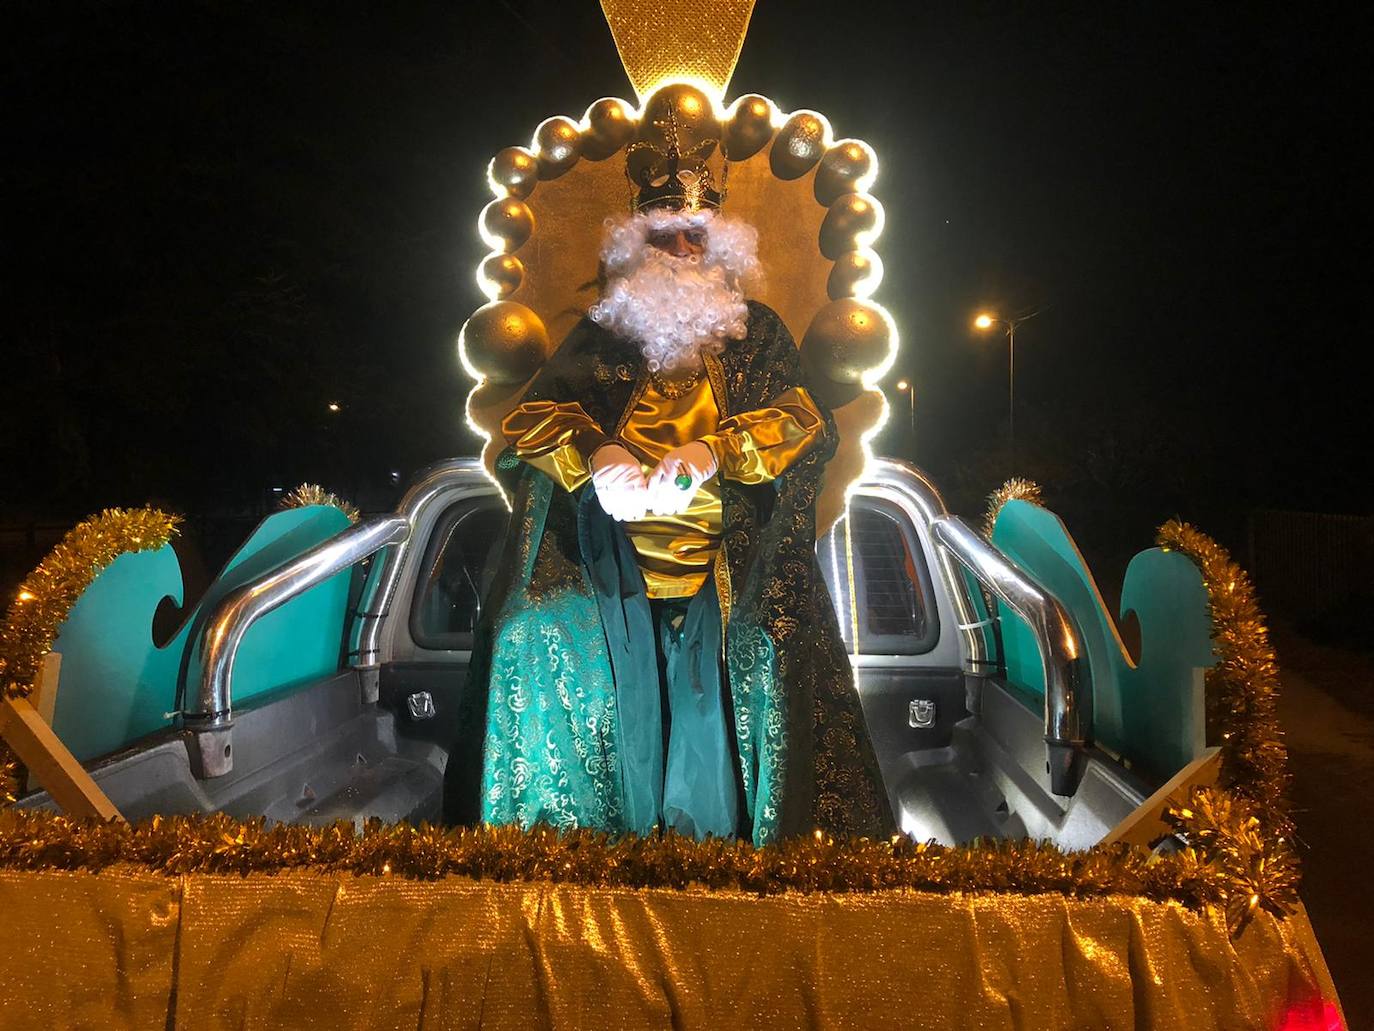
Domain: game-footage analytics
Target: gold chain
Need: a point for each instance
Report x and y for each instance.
(674, 389)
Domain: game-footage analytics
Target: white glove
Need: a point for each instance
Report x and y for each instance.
(670, 493)
(618, 479)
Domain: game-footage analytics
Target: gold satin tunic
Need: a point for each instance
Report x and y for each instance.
(675, 552)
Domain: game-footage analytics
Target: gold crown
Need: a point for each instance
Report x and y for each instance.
(669, 175)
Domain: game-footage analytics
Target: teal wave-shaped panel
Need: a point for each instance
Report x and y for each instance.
(116, 685)
(1151, 712)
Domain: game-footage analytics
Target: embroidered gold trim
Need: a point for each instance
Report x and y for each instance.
(715, 374)
(641, 385)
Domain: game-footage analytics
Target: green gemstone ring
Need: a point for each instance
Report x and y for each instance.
(683, 480)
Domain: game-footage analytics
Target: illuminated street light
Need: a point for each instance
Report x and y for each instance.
(984, 321)
(904, 387)
(334, 406)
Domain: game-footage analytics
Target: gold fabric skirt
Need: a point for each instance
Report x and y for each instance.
(128, 948)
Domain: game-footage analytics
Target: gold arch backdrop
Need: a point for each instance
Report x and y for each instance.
(805, 192)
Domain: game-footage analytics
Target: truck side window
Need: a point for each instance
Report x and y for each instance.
(456, 574)
(876, 571)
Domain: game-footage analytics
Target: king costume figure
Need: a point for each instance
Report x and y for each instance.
(658, 648)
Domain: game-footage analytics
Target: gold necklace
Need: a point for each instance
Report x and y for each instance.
(674, 389)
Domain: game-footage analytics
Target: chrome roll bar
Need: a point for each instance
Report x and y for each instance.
(208, 720)
(1068, 688)
(364, 643)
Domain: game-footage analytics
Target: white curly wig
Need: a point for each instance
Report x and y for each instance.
(677, 308)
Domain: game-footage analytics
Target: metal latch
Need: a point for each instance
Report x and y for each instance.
(921, 713)
(421, 705)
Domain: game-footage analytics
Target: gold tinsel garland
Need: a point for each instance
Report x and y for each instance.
(1242, 687)
(1237, 857)
(1242, 826)
(1253, 865)
(220, 844)
(1015, 489)
(312, 494)
(48, 593)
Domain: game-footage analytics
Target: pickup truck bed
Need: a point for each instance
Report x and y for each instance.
(963, 753)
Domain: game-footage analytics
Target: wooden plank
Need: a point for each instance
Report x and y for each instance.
(44, 693)
(1146, 823)
(44, 699)
(48, 760)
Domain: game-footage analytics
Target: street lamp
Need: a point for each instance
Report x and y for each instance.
(986, 320)
(903, 387)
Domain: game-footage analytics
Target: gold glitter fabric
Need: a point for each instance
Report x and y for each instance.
(124, 948)
(685, 39)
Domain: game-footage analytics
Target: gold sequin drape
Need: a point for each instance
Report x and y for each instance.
(124, 947)
(694, 39)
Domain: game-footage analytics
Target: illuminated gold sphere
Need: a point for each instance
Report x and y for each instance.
(847, 339)
(559, 143)
(855, 274)
(504, 342)
(799, 145)
(515, 170)
(507, 223)
(750, 127)
(852, 221)
(501, 274)
(610, 125)
(696, 115)
(845, 166)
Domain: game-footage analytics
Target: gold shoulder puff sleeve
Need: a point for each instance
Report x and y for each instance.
(758, 446)
(557, 439)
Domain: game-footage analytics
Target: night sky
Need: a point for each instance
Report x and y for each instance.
(222, 216)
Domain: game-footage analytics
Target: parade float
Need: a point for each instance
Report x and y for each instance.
(239, 825)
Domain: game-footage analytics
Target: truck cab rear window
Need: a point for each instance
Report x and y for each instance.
(876, 571)
(872, 563)
(458, 569)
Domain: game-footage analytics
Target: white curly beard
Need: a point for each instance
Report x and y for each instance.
(676, 309)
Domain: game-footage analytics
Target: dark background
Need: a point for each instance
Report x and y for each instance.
(220, 217)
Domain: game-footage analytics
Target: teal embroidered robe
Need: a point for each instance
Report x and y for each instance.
(557, 725)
